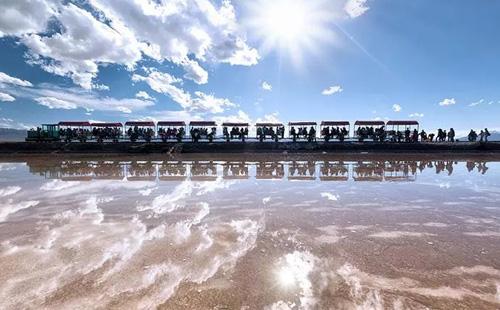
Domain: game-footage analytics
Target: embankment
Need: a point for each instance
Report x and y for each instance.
(248, 147)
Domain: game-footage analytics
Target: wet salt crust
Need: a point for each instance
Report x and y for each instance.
(291, 234)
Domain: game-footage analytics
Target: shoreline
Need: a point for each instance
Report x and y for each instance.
(251, 147)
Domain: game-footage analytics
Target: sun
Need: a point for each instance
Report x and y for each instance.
(292, 26)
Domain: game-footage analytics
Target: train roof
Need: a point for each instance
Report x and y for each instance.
(107, 125)
(390, 123)
(172, 123)
(145, 124)
(335, 123)
(302, 124)
(269, 124)
(203, 123)
(75, 124)
(369, 123)
(235, 124)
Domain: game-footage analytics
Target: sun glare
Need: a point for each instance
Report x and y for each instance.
(293, 26)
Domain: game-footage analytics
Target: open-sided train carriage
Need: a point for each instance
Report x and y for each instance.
(171, 130)
(369, 130)
(107, 131)
(399, 131)
(274, 131)
(339, 130)
(79, 131)
(302, 131)
(137, 131)
(237, 131)
(203, 130)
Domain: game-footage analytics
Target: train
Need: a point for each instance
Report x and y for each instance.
(197, 131)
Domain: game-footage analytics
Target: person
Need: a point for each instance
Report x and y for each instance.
(451, 135)
(481, 136)
(431, 137)
(486, 134)
(472, 136)
(423, 136)
(226, 133)
(414, 136)
(312, 134)
(293, 133)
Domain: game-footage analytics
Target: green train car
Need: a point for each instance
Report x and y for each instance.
(46, 133)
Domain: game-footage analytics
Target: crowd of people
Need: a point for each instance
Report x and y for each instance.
(240, 133)
(140, 133)
(483, 135)
(171, 133)
(264, 132)
(203, 133)
(334, 133)
(376, 134)
(70, 134)
(107, 133)
(302, 133)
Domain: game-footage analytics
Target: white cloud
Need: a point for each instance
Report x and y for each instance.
(7, 79)
(448, 102)
(100, 87)
(240, 117)
(332, 90)
(356, 8)
(210, 103)
(266, 86)
(164, 83)
(6, 97)
(473, 104)
(74, 98)
(54, 103)
(269, 118)
(18, 17)
(184, 32)
(84, 43)
(396, 108)
(144, 95)
(416, 115)
(195, 72)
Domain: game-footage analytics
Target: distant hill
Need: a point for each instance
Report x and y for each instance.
(12, 135)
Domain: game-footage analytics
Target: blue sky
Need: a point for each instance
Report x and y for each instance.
(111, 60)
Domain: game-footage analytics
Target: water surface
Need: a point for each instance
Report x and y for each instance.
(265, 233)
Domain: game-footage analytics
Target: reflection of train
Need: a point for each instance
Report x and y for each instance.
(178, 131)
(377, 171)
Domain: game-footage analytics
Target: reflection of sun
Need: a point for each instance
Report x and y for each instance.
(293, 25)
(286, 276)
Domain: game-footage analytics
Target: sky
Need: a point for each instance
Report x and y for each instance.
(282, 60)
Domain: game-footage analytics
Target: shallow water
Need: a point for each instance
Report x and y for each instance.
(264, 234)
